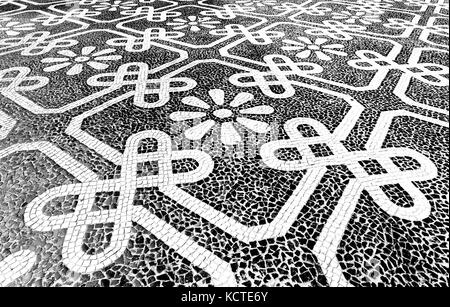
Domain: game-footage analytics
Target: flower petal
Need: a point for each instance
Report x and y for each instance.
(180, 27)
(336, 52)
(305, 40)
(303, 54)
(320, 41)
(108, 58)
(183, 115)
(195, 102)
(262, 110)
(54, 60)
(229, 135)
(67, 53)
(292, 48)
(218, 96)
(97, 65)
(180, 20)
(199, 131)
(103, 52)
(241, 99)
(322, 56)
(56, 67)
(75, 70)
(87, 50)
(254, 125)
(175, 23)
(208, 26)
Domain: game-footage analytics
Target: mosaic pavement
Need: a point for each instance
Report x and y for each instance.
(224, 143)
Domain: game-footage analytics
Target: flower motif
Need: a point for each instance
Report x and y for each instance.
(77, 62)
(194, 23)
(362, 17)
(114, 6)
(13, 28)
(227, 116)
(318, 47)
(260, 3)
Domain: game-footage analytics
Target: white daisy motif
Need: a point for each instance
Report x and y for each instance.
(114, 5)
(257, 3)
(362, 17)
(14, 28)
(194, 23)
(319, 47)
(226, 116)
(77, 62)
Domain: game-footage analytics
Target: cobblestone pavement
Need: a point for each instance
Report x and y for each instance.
(224, 143)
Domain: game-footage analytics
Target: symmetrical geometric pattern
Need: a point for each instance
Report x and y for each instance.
(224, 143)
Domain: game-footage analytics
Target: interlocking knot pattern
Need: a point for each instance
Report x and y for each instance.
(136, 74)
(340, 155)
(125, 213)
